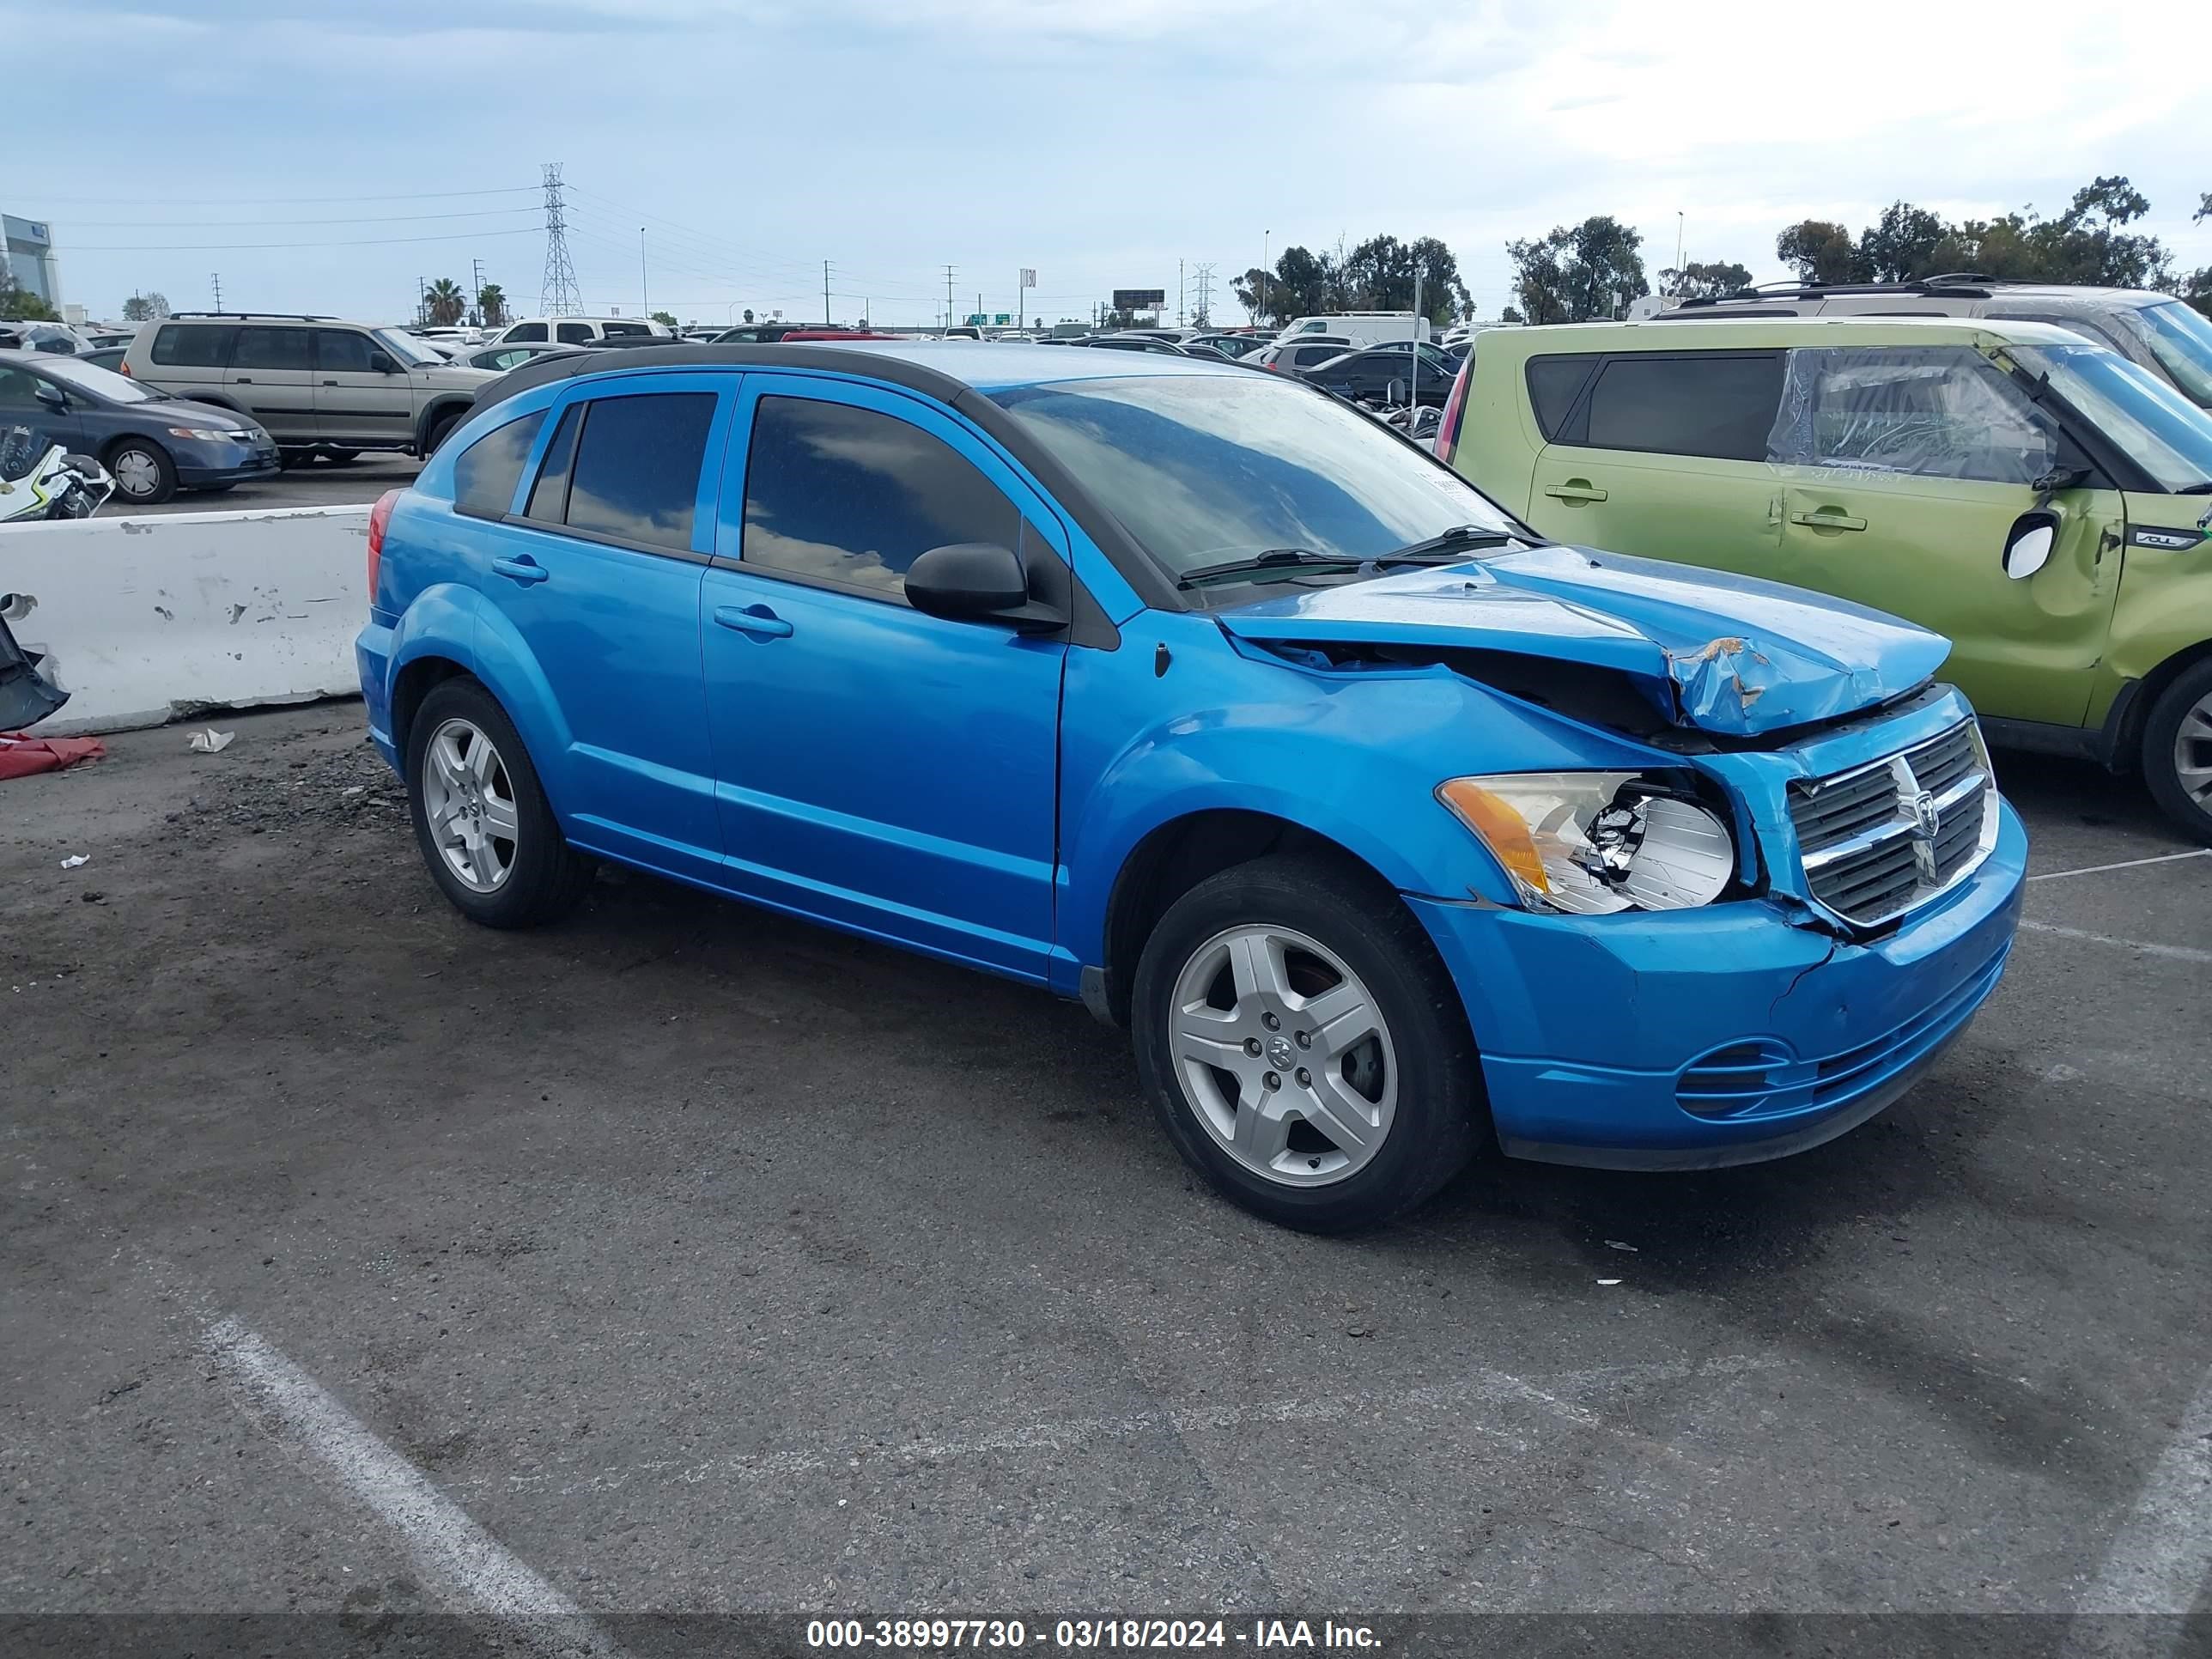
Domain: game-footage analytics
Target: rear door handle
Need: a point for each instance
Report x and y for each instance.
(757, 620)
(525, 570)
(1828, 519)
(241, 380)
(329, 383)
(1576, 489)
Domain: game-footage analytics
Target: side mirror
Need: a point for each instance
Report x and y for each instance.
(978, 582)
(381, 364)
(2027, 550)
(52, 396)
(1394, 392)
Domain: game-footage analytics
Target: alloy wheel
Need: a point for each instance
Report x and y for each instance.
(468, 799)
(135, 473)
(1284, 1056)
(2192, 752)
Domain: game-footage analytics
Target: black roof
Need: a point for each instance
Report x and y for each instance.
(1957, 284)
(562, 366)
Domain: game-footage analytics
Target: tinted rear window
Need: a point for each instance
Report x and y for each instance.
(273, 347)
(487, 471)
(636, 472)
(193, 346)
(1553, 383)
(1718, 406)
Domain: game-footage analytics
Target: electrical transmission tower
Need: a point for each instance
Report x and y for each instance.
(1202, 280)
(559, 297)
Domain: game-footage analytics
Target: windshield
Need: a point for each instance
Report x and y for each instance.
(98, 382)
(2181, 340)
(1202, 469)
(408, 349)
(2160, 430)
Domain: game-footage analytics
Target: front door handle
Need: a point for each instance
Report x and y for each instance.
(757, 620)
(524, 571)
(241, 380)
(329, 383)
(1828, 518)
(1576, 489)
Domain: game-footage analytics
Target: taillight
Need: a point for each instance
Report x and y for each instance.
(1455, 406)
(124, 368)
(378, 517)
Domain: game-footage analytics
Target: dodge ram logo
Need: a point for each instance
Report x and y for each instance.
(1927, 817)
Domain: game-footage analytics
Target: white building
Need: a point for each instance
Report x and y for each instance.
(27, 251)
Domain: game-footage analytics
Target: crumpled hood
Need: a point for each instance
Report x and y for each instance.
(1720, 653)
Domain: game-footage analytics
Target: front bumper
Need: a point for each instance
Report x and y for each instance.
(1692, 1039)
(200, 465)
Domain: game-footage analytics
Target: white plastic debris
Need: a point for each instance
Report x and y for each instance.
(1608, 1281)
(74, 860)
(1615, 1244)
(209, 741)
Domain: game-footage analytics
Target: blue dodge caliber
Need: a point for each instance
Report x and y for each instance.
(1391, 831)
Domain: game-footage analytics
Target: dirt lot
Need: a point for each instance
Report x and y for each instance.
(688, 1259)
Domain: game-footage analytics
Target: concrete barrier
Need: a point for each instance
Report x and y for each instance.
(150, 619)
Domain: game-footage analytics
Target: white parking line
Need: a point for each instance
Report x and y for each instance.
(444, 1540)
(2158, 1558)
(2171, 952)
(2125, 864)
(1454, 1398)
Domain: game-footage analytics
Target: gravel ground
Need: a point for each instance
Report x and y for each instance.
(711, 1263)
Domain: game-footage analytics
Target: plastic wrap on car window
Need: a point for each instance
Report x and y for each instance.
(1939, 412)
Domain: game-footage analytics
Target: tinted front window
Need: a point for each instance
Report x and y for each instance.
(271, 348)
(341, 352)
(1710, 404)
(487, 471)
(1203, 468)
(636, 472)
(852, 496)
(193, 346)
(18, 390)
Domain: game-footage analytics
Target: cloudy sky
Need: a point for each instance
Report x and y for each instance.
(323, 154)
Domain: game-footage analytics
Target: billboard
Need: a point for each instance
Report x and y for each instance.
(1140, 299)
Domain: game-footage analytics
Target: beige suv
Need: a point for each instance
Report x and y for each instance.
(317, 383)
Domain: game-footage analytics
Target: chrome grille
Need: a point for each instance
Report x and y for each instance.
(1880, 839)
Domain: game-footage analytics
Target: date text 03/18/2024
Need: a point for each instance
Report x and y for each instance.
(934, 1635)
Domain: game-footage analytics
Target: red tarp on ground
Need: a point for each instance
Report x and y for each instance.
(20, 756)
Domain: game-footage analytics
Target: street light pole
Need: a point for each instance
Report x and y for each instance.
(644, 285)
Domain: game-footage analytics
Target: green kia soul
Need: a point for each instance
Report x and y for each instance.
(2042, 500)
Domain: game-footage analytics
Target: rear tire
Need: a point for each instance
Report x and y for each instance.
(144, 473)
(470, 779)
(1291, 956)
(2176, 750)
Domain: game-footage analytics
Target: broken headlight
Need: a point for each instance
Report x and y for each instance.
(1590, 843)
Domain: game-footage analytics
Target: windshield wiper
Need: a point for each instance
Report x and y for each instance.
(1276, 564)
(2195, 489)
(1446, 547)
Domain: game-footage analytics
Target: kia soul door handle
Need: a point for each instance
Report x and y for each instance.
(1575, 490)
(757, 620)
(525, 570)
(1828, 518)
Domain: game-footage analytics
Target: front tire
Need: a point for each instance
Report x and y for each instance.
(2176, 750)
(144, 473)
(486, 830)
(1304, 1046)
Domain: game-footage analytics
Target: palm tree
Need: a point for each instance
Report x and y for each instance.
(491, 306)
(444, 303)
